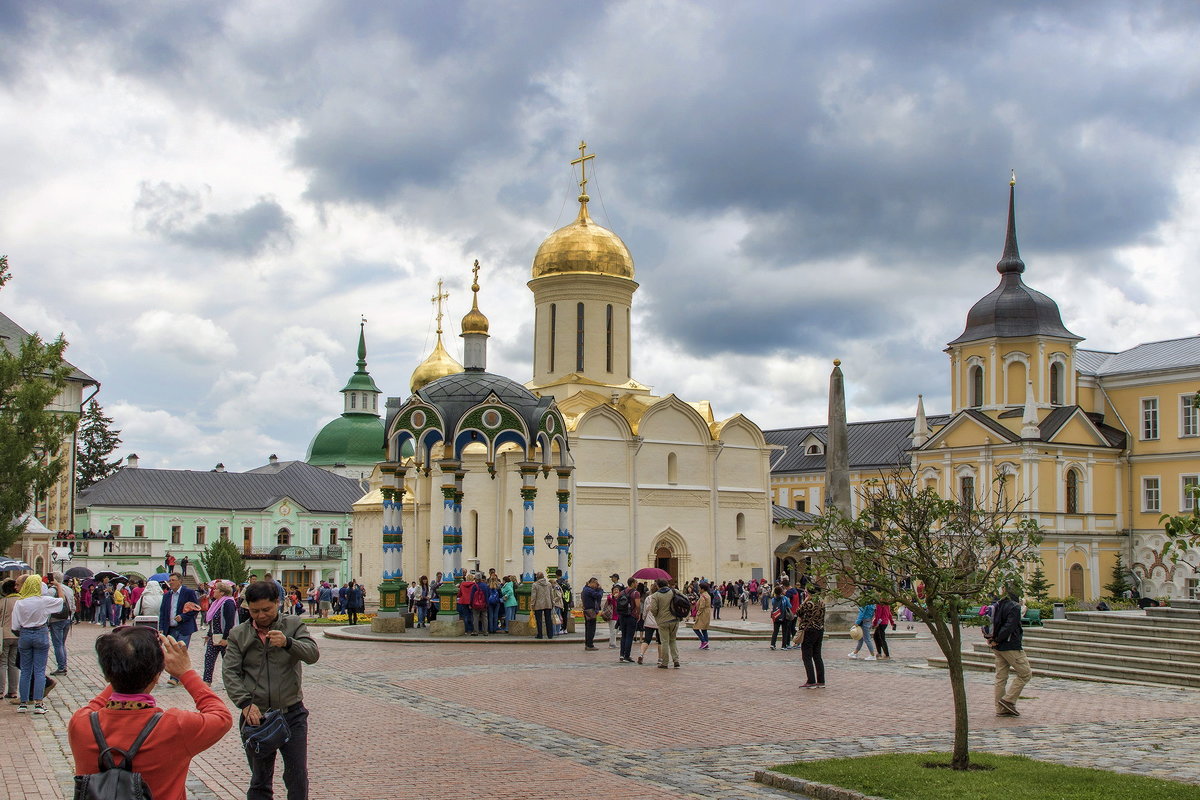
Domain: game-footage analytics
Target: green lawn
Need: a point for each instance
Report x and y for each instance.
(905, 777)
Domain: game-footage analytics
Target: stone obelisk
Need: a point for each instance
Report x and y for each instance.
(837, 453)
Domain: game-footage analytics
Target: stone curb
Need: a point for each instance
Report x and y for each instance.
(812, 789)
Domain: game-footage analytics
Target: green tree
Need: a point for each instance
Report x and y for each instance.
(223, 560)
(97, 440)
(1038, 587)
(32, 456)
(1120, 580)
(961, 550)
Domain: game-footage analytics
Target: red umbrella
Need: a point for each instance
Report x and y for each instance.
(652, 574)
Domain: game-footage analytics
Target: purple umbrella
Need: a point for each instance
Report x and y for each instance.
(651, 574)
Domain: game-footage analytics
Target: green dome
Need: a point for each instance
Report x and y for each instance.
(349, 439)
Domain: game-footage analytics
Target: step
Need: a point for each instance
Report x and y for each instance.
(1106, 655)
(1069, 669)
(1135, 618)
(1143, 626)
(1184, 602)
(1174, 612)
(1145, 639)
(1052, 669)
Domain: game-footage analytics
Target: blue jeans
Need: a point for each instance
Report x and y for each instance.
(510, 613)
(421, 614)
(174, 634)
(106, 608)
(493, 617)
(58, 637)
(866, 639)
(34, 646)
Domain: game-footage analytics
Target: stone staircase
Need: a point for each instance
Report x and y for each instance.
(1160, 646)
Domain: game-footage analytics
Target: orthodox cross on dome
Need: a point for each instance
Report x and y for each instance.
(582, 162)
(475, 277)
(438, 298)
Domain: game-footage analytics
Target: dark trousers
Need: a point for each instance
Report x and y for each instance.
(295, 761)
(779, 627)
(211, 654)
(810, 650)
(589, 630)
(881, 648)
(628, 627)
(545, 619)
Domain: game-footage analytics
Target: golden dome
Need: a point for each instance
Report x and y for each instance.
(583, 247)
(474, 321)
(439, 364)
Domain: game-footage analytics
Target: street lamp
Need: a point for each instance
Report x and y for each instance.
(549, 540)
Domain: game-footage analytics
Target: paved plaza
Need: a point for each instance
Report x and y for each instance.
(484, 719)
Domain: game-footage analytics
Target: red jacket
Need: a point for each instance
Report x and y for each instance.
(464, 592)
(164, 757)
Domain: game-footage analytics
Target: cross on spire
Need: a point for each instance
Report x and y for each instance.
(582, 162)
(438, 298)
(475, 276)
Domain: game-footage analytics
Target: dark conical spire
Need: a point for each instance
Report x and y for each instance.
(362, 346)
(1011, 261)
(837, 453)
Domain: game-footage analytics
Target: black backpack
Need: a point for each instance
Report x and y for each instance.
(114, 782)
(625, 604)
(680, 605)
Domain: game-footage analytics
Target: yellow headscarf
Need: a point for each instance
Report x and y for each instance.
(32, 587)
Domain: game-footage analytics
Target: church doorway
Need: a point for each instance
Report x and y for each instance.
(665, 559)
(1077, 581)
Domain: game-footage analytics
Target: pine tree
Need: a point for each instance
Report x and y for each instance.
(97, 441)
(223, 560)
(1120, 581)
(32, 456)
(1038, 587)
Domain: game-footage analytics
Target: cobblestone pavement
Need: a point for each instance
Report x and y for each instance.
(450, 720)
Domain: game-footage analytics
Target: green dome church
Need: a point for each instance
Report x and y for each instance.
(354, 443)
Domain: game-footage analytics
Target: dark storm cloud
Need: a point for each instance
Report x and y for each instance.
(175, 213)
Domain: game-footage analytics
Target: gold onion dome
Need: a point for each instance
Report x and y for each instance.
(439, 364)
(583, 247)
(475, 321)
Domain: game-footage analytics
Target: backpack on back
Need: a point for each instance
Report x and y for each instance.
(478, 598)
(680, 605)
(624, 604)
(115, 782)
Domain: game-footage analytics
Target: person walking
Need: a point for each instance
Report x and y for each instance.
(744, 602)
(593, 598)
(704, 608)
(106, 601)
(781, 607)
(1006, 643)
(629, 610)
(177, 614)
(183, 565)
(131, 660)
(355, 602)
(649, 633)
(30, 618)
(221, 618)
(793, 597)
(60, 626)
(811, 620)
(864, 621)
(541, 602)
(263, 671)
(667, 617)
(10, 664)
(883, 618)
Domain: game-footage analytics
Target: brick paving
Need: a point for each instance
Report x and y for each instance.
(453, 719)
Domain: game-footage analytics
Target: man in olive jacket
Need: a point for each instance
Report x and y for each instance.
(263, 671)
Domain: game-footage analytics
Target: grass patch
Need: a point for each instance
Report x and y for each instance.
(908, 776)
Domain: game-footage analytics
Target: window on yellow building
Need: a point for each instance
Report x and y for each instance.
(976, 386)
(1189, 416)
(1056, 384)
(800, 505)
(1149, 417)
(1187, 489)
(1072, 491)
(1151, 494)
(966, 491)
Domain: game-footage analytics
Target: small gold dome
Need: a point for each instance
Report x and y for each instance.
(475, 322)
(583, 247)
(439, 364)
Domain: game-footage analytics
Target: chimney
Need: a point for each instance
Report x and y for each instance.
(132, 461)
(219, 468)
(274, 459)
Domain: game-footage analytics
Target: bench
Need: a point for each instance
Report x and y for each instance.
(1032, 618)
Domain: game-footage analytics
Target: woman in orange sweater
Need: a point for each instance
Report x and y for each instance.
(132, 660)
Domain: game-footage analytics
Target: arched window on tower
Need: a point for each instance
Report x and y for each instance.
(672, 468)
(741, 526)
(553, 325)
(1072, 491)
(1056, 384)
(579, 337)
(976, 386)
(608, 337)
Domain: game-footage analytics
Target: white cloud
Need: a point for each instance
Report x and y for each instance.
(186, 337)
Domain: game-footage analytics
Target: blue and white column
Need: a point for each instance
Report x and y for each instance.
(393, 523)
(459, 572)
(450, 544)
(564, 525)
(529, 471)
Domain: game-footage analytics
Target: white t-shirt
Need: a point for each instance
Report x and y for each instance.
(34, 612)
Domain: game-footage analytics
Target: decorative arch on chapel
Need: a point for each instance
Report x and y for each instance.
(607, 413)
(669, 404)
(672, 540)
(1015, 395)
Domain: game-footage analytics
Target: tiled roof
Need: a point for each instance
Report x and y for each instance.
(11, 335)
(311, 488)
(1089, 362)
(1170, 354)
(780, 513)
(878, 444)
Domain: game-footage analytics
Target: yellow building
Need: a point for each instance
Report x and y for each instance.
(1098, 445)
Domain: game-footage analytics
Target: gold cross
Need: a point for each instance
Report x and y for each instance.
(582, 162)
(438, 298)
(475, 273)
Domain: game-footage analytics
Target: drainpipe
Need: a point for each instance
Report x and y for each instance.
(1127, 457)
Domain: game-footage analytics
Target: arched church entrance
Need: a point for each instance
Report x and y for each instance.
(670, 553)
(665, 559)
(1077, 581)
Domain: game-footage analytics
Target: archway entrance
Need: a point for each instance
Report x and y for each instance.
(1077, 581)
(665, 559)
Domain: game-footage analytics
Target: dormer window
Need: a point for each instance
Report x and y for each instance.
(813, 450)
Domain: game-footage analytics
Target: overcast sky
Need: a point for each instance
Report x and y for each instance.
(206, 197)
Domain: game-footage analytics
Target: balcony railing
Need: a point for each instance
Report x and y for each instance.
(107, 548)
(293, 553)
